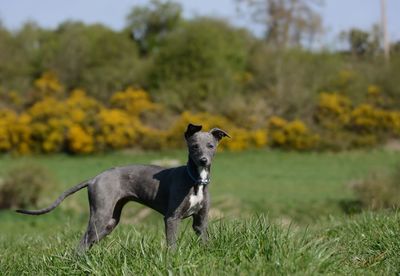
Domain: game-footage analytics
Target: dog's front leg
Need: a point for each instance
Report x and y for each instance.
(200, 222)
(171, 228)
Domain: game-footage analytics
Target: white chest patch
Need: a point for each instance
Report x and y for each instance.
(196, 200)
(203, 174)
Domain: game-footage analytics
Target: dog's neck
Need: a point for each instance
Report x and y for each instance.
(199, 175)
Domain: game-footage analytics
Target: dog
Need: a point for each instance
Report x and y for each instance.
(177, 193)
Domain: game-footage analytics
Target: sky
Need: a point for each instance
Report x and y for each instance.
(338, 15)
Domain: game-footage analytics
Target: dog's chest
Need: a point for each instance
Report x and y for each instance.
(196, 201)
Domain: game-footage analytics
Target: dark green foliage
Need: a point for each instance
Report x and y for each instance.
(290, 80)
(87, 56)
(149, 25)
(386, 77)
(22, 186)
(362, 42)
(199, 65)
(93, 57)
(17, 54)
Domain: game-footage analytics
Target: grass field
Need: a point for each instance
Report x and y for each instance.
(273, 213)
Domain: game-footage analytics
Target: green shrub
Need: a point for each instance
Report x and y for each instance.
(199, 65)
(379, 190)
(22, 186)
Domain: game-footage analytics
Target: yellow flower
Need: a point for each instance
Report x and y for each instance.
(79, 141)
(373, 90)
(291, 134)
(134, 101)
(48, 84)
(259, 137)
(117, 128)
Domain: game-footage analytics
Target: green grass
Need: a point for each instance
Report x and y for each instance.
(301, 227)
(368, 244)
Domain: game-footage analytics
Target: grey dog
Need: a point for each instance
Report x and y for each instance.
(176, 193)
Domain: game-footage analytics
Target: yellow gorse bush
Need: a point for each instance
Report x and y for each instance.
(133, 101)
(116, 129)
(365, 124)
(15, 132)
(291, 134)
(374, 90)
(48, 85)
(48, 124)
(366, 118)
(79, 101)
(7, 118)
(7, 121)
(76, 123)
(79, 140)
(333, 110)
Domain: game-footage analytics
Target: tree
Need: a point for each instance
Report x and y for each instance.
(287, 22)
(93, 57)
(395, 47)
(362, 42)
(18, 51)
(198, 63)
(359, 41)
(150, 24)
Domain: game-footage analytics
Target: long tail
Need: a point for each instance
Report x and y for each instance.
(57, 202)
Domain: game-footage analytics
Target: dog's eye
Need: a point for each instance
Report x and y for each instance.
(210, 146)
(195, 147)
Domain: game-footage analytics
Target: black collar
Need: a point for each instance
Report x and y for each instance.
(192, 172)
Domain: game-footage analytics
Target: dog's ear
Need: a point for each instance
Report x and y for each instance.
(219, 133)
(192, 129)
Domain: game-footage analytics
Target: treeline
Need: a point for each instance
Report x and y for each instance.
(204, 65)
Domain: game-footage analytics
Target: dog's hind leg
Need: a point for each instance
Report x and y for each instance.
(101, 223)
(103, 219)
(96, 231)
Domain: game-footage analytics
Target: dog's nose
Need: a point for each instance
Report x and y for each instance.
(203, 161)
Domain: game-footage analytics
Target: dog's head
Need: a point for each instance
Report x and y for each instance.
(202, 145)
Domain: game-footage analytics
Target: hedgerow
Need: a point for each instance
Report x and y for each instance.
(52, 120)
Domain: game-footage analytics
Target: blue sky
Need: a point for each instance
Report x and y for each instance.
(338, 14)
